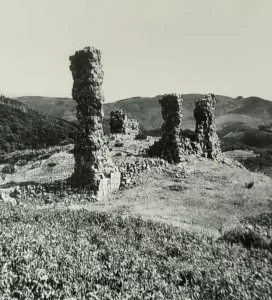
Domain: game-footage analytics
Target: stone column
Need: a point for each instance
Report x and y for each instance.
(171, 109)
(171, 145)
(92, 161)
(205, 130)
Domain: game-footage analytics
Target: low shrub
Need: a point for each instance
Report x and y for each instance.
(8, 169)
(248, 238)
(51, 165)
(141, 136)
(118, 144)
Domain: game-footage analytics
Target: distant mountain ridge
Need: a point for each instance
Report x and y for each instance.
(251, 111)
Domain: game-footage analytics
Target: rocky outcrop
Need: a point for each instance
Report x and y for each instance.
(119, 123)
(92, 160)
(206, 135)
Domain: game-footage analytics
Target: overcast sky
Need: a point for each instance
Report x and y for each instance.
(149, 47)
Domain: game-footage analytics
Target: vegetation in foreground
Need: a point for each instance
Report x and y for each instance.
(61, 254)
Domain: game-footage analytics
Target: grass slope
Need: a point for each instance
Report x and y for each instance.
(176, 235)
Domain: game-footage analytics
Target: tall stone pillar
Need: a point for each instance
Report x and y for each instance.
(92, 161)
(172, 146)
(171, 109)
(205, 130)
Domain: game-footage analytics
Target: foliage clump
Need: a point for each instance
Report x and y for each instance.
(61, 254)
(8, 169)
(252, 233)
(141, 136)
(258, 163)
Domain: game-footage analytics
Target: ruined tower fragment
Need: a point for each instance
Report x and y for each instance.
(205, 130)
(172, 145)
(92, 161)
(119, 123)
(172, 115)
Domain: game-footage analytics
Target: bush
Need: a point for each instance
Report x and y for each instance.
(259, 163)
(247, 238)
(251, 232)
(141, 136)
(119, 144)
(264, 219)
(51, 165)
(8, 169)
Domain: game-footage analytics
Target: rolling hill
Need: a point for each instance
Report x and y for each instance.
(252, 111)
(237, 118)
(22, 128)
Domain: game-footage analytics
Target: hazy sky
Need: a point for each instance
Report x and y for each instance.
(149, 47)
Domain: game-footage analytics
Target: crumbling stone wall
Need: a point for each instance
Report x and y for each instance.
(132, 127)
(92, 160)
(172, 145)
(119, 123)
(206, 135)
(130, 172)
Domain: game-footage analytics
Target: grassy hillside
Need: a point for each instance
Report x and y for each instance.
(28, 129)
(57, 107)
(254, 107)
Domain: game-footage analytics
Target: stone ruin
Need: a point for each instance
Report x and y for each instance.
(205, 130)
(94, 169)
(173, 144)
(119, 123)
